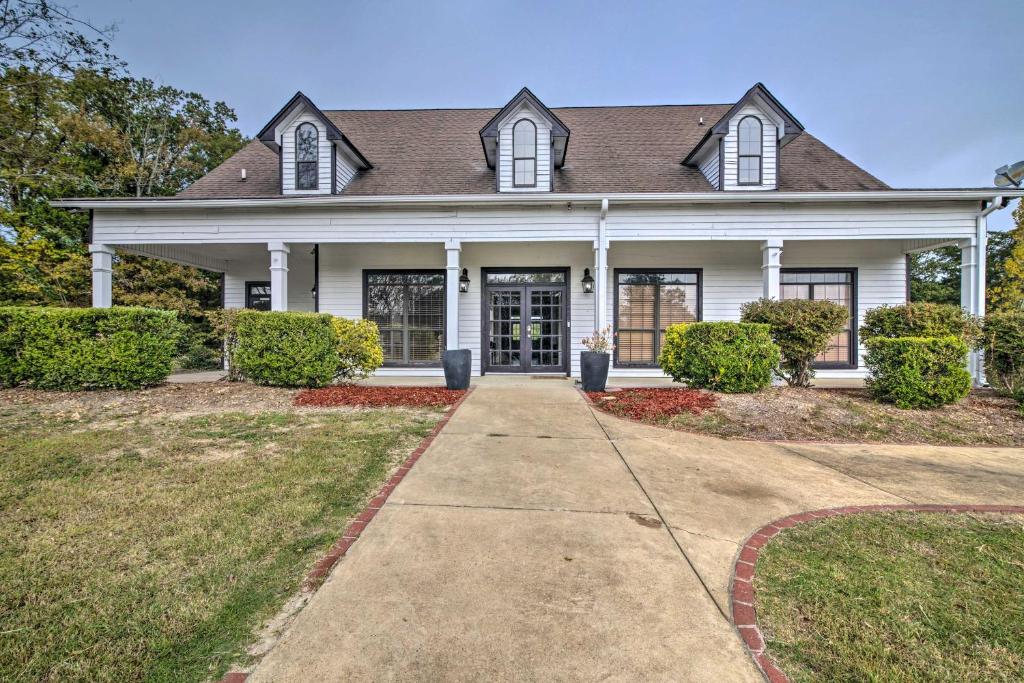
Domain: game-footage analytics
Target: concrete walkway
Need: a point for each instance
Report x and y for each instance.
(538, 539)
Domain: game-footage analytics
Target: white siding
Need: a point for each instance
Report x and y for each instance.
(575, 256)
(549, 222)
(325, 150)
(731, 276)
(768, 150)
(505, 178)
(250, 267)
(345, 171)
(709, 166)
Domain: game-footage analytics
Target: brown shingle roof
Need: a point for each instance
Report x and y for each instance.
(611, 149)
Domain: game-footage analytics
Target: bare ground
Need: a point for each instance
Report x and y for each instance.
(849, 415)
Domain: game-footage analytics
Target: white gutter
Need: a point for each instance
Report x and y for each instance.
(537, 198)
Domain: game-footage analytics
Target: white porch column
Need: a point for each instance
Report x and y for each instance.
(278, 275)
(451, 294)
(971, 300)
(601, 270)
(102, 275)
(771, 265)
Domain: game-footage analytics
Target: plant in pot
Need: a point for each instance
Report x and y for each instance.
(594, 361)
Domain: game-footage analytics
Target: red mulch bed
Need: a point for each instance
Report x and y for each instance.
(378, 397)
(653, 404)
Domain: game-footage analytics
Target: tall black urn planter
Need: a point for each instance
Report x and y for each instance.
(594, 370)
(457, 364)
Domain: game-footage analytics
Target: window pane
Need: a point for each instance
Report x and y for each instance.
(524, 171)
(524, 139)
(541, 277)
(636, 347)
(677, 304)
(750, 170)
(836, 287)
(636, 306)
(306, 142)
(408, 307)
(654, 278)
(305, 175)
(257, 297)
(750, 136)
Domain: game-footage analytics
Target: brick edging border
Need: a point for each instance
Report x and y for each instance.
(741, 588)
(324, 565)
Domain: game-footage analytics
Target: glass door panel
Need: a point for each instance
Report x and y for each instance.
(505, 313)
(546, 331)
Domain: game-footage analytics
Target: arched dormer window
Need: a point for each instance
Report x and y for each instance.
(307, 153)
(750, 141)
(524, 153)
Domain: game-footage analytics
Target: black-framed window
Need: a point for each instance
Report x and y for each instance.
(307, 157)
(524, 153)
(835, 285)
(750, 145)
(409, 309)
(257, 296)
(646, 303)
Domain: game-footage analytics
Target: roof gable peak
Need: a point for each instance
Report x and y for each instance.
(559, 131)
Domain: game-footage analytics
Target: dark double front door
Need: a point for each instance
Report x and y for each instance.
(526, 321)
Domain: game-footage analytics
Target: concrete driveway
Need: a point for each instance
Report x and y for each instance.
(538, 539)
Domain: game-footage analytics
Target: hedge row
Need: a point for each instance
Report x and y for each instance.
(290, 349)
(86, 348)
(720, 356)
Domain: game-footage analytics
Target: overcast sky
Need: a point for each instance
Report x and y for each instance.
(926, 93)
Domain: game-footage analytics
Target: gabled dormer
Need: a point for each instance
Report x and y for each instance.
(741, 150)
(524, 143)
(315, 157)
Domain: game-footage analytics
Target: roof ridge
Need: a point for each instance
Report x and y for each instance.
(580, 106)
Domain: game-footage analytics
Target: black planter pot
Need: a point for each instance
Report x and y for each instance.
(457, 365)
(594, 368)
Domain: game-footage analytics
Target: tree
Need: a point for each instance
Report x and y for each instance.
(46, 38)
(1007, 288)
(935, 274)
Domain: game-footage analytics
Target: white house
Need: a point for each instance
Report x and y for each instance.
(516, 232)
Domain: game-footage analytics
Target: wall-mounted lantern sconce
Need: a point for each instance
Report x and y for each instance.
(464, 281)
(588, 282)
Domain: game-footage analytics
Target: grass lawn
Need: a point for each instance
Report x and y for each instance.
(147, 536)
(838, 415)
(896, 597)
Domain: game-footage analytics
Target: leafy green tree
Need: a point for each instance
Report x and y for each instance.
(73, 123)
(1007, 286)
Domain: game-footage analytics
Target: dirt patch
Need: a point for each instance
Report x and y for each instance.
(849, 415)
(168, 400)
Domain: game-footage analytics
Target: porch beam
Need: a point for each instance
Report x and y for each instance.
(452, 250)
(102, 275)
(278, 275)
(771, 267)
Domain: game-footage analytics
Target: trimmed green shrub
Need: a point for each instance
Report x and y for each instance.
(285, 349)
(359, 350)
(1004, 352)
(721, 356)
(918, 372)
(921, 320)
(801, 327)
(87, 348)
